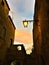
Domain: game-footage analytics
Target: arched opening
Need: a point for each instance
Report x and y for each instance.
(15, 62)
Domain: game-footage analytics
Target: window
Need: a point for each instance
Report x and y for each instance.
(2, 32)
(3, 2)
(11, 42)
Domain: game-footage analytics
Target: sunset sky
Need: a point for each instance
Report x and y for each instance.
(19, 11)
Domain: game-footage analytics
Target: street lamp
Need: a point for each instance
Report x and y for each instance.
(25, 22)
(19, 47)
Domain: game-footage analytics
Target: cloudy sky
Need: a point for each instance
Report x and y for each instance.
(24, 9)
(19, 11)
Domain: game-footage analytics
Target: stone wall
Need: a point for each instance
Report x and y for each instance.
(41, 42)
(7, 30)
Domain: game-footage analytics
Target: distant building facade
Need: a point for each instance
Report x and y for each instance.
(7, 30)
(41, 32)
(15, 55)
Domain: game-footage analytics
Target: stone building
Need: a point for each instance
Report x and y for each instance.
(29, 59)
(41, 32)
(7, 30)
(16, 55)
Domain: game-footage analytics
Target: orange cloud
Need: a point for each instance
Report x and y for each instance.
(23, 36)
